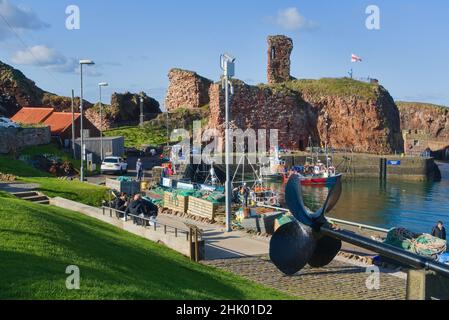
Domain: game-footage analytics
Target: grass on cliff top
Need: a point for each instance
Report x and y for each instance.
(404, 104)
(341, 87)
(38, 243)
(51, 186)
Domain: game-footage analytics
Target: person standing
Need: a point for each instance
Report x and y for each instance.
(439, 231)
(139, 170)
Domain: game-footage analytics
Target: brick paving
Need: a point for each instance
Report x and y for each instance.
(338, 281)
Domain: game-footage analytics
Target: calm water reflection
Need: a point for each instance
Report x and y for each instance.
(416, 206)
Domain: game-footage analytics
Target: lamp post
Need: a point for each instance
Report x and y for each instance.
(101, 85)
(228, 67)
(73, 124)
(83, 156)
(142, 118)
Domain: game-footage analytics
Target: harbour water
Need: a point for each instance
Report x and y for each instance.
(413, 205)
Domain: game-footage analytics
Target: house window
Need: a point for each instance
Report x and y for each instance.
(273, 53)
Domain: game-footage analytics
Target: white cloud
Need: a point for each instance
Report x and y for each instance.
(51, 59)
(19, 18)
(292, 19)
(38, 56)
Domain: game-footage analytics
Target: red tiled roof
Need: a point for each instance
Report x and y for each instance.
(60, 121)
(32, 115)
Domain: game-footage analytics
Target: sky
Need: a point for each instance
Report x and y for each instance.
(135, 43)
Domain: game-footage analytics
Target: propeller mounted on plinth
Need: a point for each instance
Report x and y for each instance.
(298, 243)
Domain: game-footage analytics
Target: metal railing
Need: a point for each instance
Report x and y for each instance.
(149, 223)
(359, 226)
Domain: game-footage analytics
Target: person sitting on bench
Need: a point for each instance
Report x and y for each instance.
(137, 209)
(151, 211)
(120, 203)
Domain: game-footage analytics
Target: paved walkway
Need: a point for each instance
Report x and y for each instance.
(220, 244)
(15, 187)
(337, 281)
(247, 256)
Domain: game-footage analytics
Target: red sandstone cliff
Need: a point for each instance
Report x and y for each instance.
(430, 119)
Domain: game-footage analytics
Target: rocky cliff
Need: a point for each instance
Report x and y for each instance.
(430, 119)
(17, 90)
(124, 110)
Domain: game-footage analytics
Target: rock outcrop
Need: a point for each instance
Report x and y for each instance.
(64, 104)
(124, 110)
(187, 90)
(430, 119)
(17, 90)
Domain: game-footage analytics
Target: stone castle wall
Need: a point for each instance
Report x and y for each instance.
(279, 51)
(257, 108)
(187, 90)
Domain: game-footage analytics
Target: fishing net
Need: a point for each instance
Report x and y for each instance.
(214, 197)
(421, 244)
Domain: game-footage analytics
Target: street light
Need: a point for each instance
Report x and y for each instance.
(142, 117)
(101, 85)
(83, 155)
(227, 63)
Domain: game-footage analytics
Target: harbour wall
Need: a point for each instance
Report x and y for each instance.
(357, 166)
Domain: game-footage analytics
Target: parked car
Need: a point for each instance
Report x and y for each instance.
(8, 123)
(114, 165)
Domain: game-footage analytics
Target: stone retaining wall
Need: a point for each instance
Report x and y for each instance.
(12, 140)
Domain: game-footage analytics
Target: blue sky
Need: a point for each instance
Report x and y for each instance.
(136, 42)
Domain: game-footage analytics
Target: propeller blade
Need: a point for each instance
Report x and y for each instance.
(291, 247)
(326, 250)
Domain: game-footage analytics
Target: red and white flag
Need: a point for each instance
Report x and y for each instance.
(355, 58)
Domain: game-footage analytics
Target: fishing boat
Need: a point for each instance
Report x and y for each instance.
(275, 169)
(317, 173)
(319, 180)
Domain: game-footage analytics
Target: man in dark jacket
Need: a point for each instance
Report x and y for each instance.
(439, 231)
(120, 204)
(137, 209)
(151, 210)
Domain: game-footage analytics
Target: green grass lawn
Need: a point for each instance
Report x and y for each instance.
(37, 243)
(51, 186)
(53, 150)
(137, 136)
